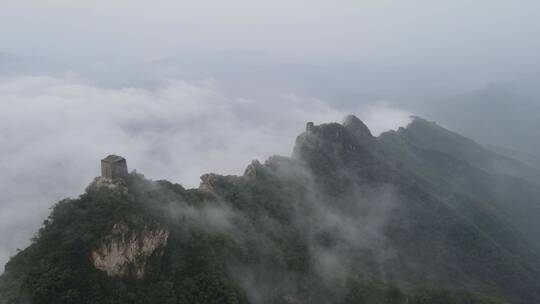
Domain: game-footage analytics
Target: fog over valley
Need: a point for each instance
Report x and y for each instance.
(184, 89)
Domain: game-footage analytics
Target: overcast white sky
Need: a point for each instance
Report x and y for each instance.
(415, 32)
(182, 88)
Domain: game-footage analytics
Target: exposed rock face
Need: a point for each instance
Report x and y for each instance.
(254, 170)
(331, 139)
(113, 185)
(208, 182)
(126, 251)
(356, 126)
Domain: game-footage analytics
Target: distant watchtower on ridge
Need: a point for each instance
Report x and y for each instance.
(114, 167)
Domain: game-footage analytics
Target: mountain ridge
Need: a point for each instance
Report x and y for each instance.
(416, 215)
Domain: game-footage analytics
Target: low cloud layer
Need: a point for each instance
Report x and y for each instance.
(54, 131)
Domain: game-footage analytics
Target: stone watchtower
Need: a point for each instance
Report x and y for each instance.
(310, 126)
(114, 167)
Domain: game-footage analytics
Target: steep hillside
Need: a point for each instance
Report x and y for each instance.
(418, 215)
(513, 124)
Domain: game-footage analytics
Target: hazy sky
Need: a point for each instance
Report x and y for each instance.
(182, 88)
(416, 32)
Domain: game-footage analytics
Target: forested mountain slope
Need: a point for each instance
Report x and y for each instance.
(417, 215)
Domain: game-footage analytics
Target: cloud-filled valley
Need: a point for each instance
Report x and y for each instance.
(56, 129)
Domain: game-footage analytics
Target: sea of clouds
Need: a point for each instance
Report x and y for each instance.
(55, 130)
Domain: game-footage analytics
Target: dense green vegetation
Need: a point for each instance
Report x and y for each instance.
(421, 215)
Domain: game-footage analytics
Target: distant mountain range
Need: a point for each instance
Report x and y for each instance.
(417, 215)
(504, 115)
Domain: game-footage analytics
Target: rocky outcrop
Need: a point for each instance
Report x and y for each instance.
(126, 251)
(100, 183)
(357, 128)
(209, 181)
(254, 170)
